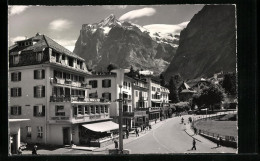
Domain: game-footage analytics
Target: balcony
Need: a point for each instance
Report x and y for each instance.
(128, 114)
(141, 99)
(69, 82)
(66, 98)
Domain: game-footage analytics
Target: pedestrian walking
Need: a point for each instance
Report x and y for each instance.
(116, 144)
(193, 144)
(195, 131)
(136, 132)
(34, 151)
(155, 120)
(182, 120)
(220, 141)
(127, 133)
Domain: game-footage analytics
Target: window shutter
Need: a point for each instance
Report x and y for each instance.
(43, 74)
(75, 110)
(19, 110)
(109, 96)
(34, 91)
(19, 76)
(96, 84)
(35, 74)
(12, 76)
(12, 110)
(109, 84)
(103, 95)
(103, 83)
(43, 91)
(34, 110)
(43, 110)
(19, 91)
(12, 92)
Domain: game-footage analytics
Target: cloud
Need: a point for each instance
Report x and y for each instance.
(17, 38)
(60, 24)
(13, 10)
(138, 13)
(69, 44)
(166, 28)
(108, 7)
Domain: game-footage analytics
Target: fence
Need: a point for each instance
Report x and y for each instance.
(226, 139)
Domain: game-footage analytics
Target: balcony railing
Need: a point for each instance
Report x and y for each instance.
(70, 82)
(66, 98)
(74, 98)
(128, 114)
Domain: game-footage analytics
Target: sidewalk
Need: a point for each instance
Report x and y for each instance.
(203, 140)
(132, 135)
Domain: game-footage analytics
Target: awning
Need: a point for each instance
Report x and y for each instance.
(102, 126)
(157, 101)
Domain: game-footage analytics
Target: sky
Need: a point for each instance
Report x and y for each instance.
(63, 23)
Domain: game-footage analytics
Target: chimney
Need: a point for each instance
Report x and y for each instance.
(37, 34)
(25, 37)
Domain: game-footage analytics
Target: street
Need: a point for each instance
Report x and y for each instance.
(167, 136)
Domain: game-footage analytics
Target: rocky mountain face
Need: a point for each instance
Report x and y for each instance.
(124, 44)
(207, 45)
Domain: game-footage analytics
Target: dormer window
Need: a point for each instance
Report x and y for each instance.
(15, 59)
(39, 57)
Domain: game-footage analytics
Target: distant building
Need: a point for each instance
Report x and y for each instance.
(48, 86)
(185, 92)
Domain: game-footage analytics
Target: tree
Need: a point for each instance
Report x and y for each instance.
(196, 100)
(229, 83)
(162, 80)
(174, 96)
(111, 67)
(212, 95)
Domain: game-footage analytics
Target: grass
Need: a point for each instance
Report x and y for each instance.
(219, 127)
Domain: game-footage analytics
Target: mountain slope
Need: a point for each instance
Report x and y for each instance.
(207, 45)
(124, 44)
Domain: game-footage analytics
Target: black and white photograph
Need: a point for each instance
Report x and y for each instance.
(122, 79)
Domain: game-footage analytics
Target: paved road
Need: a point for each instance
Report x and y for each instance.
(170, 137)
(165, 137)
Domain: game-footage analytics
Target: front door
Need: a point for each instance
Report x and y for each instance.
(66, 136)
(14, 144)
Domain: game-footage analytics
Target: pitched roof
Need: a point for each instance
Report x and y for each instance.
(44, 41)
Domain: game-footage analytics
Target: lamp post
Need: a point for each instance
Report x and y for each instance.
(120, 80)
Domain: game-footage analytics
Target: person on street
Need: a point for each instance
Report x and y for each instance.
(155, 120)
(136, 132)
(116, 143)
(193, 144)
(127, 133)
(220, 141)
(182, 120)
(34, 151)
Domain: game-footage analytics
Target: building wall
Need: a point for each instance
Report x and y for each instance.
(15, 129)
(27, 101)
(114, 105)
(56, 133)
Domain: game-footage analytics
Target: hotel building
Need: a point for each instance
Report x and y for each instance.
(48, 86)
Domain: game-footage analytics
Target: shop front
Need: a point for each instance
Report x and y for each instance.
(98, 134)
(140, 118)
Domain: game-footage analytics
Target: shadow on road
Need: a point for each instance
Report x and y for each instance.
(215, 147)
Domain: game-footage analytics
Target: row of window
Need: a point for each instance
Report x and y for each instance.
(106, 83)
(154, 89)
(29, 131)
(155, 96)
(39, 91)
(125, 84)
(38, 111)
(105, 95)
(141, 94)
(38, 74)
(81, 109)
(68, 76)
(15, 59)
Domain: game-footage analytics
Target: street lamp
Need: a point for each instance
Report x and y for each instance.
(120, 80)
